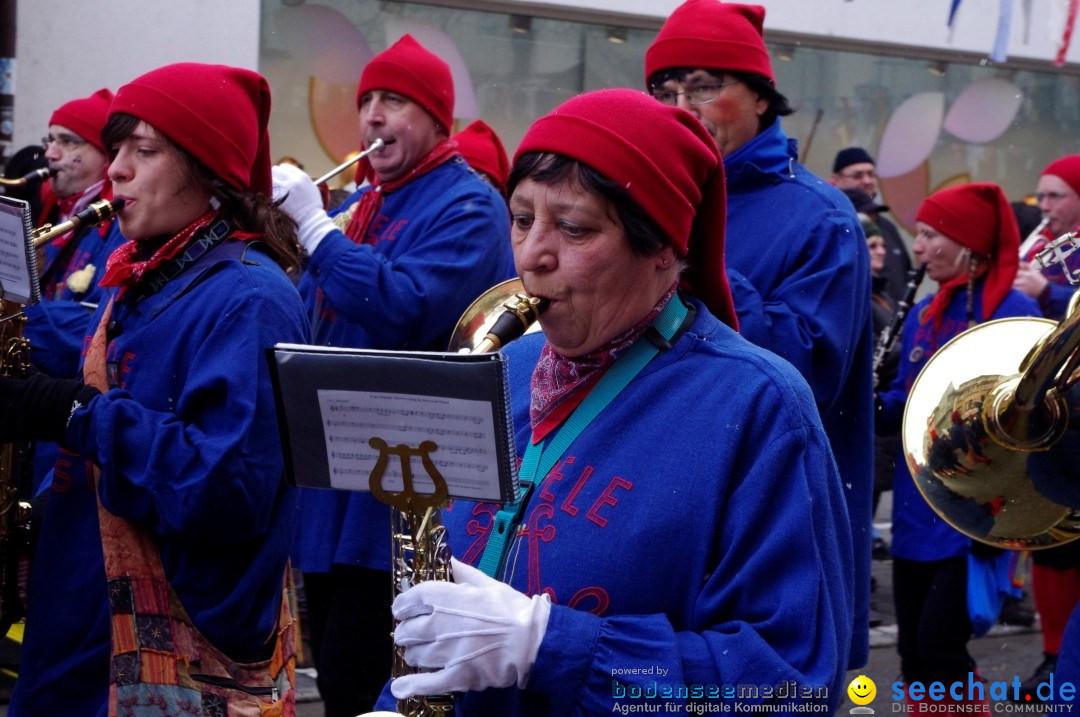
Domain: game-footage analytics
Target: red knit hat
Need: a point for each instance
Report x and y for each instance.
(217, 113)
(484, 152)
(668, 163)
(714, 35)
(978, 216)
(408, 69)
(1068, 169)
(85, 117)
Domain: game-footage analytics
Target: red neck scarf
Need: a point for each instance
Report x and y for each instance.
(369, 204)
(68, 207)
(558, 382)
(123, 269)
(935, 310)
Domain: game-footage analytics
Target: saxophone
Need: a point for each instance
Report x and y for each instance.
(419, 549)
(15, 458)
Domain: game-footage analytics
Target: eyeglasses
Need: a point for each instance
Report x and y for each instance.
(66, 141)
(696, 95)
(1050, 197)
(864, 174)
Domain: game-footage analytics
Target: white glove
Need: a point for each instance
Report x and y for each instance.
(303, 203)
(476, 632)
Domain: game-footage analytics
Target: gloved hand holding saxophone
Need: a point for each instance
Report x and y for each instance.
(473, 634)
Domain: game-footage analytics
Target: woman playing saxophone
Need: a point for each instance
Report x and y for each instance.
(672, 466)
(159, 570)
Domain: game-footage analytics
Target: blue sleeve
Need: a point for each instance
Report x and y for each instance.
(816, 316)
(219, 450)
(56, 330)
(755, 624)
(1054, 300)
(400, 301)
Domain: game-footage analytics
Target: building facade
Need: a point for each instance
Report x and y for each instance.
(895, 78)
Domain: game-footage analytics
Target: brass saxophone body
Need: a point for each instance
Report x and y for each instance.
(419, 549)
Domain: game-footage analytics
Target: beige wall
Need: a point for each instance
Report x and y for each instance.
(71, 48)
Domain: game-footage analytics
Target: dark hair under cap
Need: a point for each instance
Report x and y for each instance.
(219, 114)
(668, 164)
(849, 156)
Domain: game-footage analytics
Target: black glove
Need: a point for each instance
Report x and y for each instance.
(37, 408)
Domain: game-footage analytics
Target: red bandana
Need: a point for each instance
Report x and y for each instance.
(369, 204)
(69, 206)
(558, 382)
(935, 310)
(123, 270)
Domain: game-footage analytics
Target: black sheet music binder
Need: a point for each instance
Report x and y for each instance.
(18, 259)
(333, 401)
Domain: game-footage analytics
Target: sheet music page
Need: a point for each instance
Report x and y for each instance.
(17, 280)
(463, 430)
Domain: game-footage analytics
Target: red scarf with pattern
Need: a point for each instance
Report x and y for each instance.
(559, 384)
(123, 269)
(369, 204)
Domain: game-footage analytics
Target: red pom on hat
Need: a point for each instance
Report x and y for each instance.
(978, 216)
(665, 160)
(713, 35)
(484, 152)
(217, 113)
(85, 117)
(1067, 169)
(410, 70)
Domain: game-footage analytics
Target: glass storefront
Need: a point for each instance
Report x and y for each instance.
(928, 122)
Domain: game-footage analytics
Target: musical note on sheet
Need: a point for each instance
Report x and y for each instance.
(464, 430)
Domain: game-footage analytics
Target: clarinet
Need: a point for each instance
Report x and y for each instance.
(892, 332)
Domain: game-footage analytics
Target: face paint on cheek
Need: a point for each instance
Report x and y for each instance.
(76, 160)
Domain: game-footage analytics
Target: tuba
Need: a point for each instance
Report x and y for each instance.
(981, 407)
(419, 550)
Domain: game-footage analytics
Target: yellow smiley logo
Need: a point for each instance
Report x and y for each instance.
(862, 690)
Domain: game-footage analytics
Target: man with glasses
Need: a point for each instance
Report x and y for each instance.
(71, 265)
(855, 173)
(1059, 202)
(854, 168)
(796, 256)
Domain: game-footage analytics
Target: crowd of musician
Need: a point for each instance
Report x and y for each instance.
(706, 423)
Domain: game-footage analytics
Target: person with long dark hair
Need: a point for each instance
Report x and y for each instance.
(159, 572)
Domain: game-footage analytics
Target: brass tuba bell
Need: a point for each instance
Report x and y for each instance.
(983, 404)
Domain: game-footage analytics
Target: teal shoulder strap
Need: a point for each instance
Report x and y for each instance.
(541, 457)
